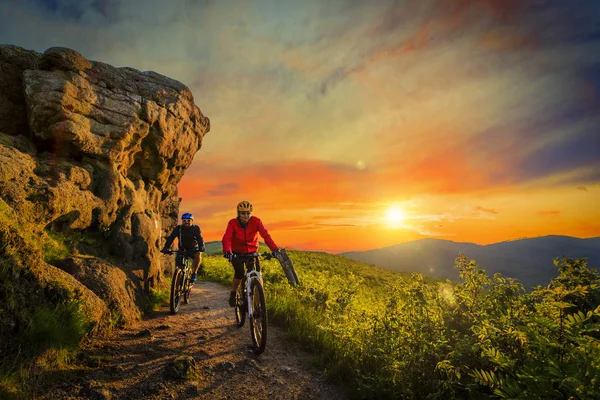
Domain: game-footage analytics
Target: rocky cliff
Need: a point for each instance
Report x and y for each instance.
(90, 158)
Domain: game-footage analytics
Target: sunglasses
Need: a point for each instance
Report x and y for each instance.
(244, 212)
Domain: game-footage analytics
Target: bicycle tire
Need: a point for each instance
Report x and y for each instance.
(187, 286)
(186, 292)
(176, 286)
(290, 273)
(258, 322)
(240, 310)
(288, 268)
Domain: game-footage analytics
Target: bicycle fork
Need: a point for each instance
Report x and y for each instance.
(251, 276)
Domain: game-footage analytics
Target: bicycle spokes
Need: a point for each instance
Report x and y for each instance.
(258, 321)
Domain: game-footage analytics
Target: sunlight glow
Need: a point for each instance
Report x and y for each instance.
(394, 216)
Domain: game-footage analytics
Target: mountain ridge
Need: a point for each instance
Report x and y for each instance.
(477, 244)
(529, 260)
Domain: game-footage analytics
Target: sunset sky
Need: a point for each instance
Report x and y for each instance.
(353, 125)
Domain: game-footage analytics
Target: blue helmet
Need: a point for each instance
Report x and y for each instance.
(187, 216)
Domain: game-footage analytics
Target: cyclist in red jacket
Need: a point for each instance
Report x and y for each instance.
(241, 238)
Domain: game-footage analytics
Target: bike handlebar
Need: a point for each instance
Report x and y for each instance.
(265, 255)
(170, 252)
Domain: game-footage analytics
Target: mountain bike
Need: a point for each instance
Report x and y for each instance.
(181, 284)
(250, 300)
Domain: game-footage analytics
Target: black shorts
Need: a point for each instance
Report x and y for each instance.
(188, 252)
(241, 261)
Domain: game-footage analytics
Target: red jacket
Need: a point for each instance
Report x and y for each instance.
(245, 240)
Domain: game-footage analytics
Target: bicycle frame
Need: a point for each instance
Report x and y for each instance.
(186, 263)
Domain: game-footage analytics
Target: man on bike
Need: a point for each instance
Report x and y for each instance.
(241, 238)
(189, 240)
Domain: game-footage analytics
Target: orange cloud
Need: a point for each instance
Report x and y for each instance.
(550, 213)
(486, 210)
(446, 170)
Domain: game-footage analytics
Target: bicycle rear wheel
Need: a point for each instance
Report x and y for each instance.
(290, 273)
(240, 305)
(288, 268)
(187, 287)
(258, 322)
(176, 288)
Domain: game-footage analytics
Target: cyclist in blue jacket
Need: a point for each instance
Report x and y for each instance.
(189, 240)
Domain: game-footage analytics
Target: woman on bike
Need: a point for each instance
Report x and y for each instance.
(189, 240)
(241, 238)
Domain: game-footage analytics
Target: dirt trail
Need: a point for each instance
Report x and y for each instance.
(131, 364)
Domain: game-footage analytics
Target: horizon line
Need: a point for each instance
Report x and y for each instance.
(434, 238)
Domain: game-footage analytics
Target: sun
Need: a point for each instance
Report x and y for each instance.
(394, 216)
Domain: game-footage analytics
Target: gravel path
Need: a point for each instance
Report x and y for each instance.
(134, 363)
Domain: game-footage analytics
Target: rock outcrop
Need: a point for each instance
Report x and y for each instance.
(90, 156)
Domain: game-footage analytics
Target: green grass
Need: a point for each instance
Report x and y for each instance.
(47, 345)
(62, 326)
(158, 298)
(11, 383)
(42, 325)
(58, 245)
(391, 335)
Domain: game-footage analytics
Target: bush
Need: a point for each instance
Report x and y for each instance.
(387, 335)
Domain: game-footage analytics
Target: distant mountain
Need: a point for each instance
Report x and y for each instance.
(528, 260)
(214, 248)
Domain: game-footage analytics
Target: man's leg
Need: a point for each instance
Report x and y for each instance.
(196, 262)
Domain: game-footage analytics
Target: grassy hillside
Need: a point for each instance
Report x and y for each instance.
(528, 260)
(390, 335)
(42, 319)
(216, 248)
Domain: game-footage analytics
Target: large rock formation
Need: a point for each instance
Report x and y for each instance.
(92, 154)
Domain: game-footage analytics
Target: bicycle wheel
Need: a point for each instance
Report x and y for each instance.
(290, 273)
(288, 268)
(294, 273)
(240, 305)
(176, 287)
(187, 286)
(258, 322)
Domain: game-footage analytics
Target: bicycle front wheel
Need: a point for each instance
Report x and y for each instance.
(176, 289)
(240, 305)
(258, 322)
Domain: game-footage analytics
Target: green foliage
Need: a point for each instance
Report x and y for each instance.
(40, 325)
(61, 326)
(59, 245)
(391, 335)
(54, 250)
(158, 298)
(116, 319)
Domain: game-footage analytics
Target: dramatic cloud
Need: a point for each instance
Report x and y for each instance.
(316, 104)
